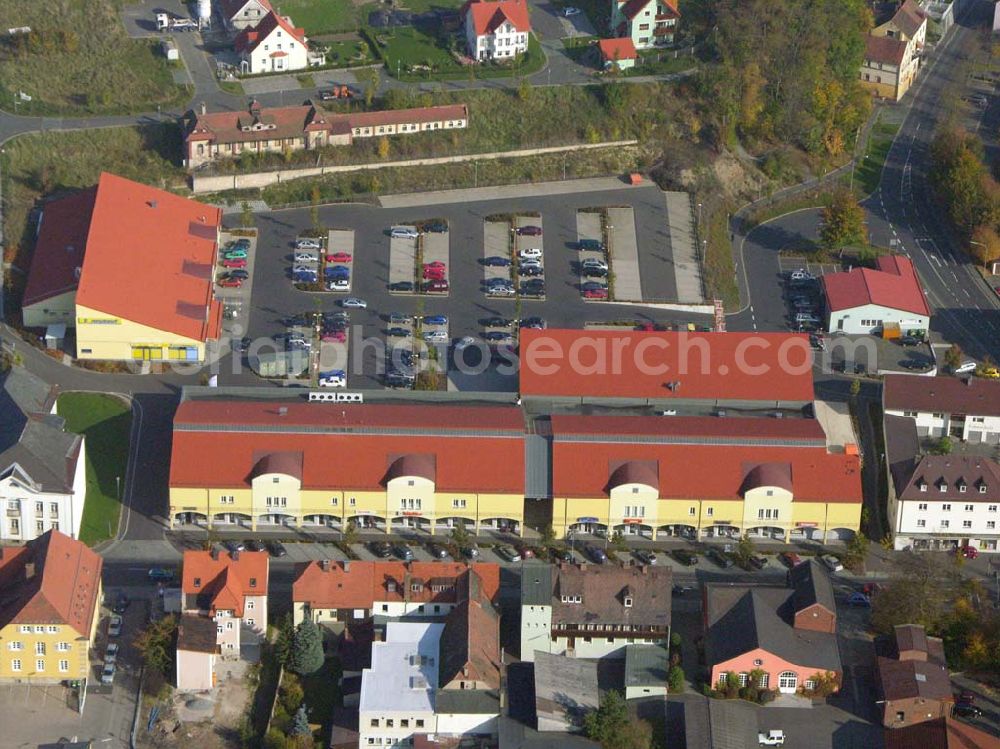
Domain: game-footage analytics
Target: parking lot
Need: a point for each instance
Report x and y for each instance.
(378, 263)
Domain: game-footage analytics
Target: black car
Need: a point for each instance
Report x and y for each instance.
(252, 544)
(595, 273)
(238, 273)
(437, 551)
(912, 364)
(381, 549)
(497, 322)
(436, 227)
(121, 603)
(398, 333)
(644, 556)
(909, 340)
(757, 562)
(496, 261)
(595, 245)
(297, 321)
(234, 546)
(533, 322)
(401, 286)
(241, 345)
(596, 554)
(496, 335)
(529, 231)
(720, 558)
(965, 710)
(239, 244)
(561, 555)
(531, 270)
(276, 549)
(402, 551)
(685, 557)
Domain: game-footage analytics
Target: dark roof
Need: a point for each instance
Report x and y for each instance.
(941, 733)
(975, 396)
(21, 393)
(197, 633)
(536, 585)
(421, 465)
(767, 474)
(288, 463)
(902, 446)
(470, 640)
(718, 724)
(602, 588)
(467, 701)
(646, 665)
(899, 680)
(58, 255)
(635, 472)
(565, 689)
(914, 637)
(884, 49)
(742, 618)
(909, 18)
(45, 453)
(516, 735)
(944, 476)
(811, 585)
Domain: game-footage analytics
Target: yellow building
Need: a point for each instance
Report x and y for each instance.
(50, 593)
(132, 268)
(892, 52)
(701, 477)
(263, 464)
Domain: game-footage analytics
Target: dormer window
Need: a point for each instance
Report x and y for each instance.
(942, 487)
(390, 585)
(253, 582)
(961, 488)
(922, 486)
(982, 488)
(628, 602)
(197, 582)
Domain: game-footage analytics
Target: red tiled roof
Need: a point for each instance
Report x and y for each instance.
(357, 585)
(894, 285)
(698, 469)
(909, 18)
(940, 733)
(440, 113)
(217, 443)
(884, 49)
(617, 49)
(632, 8)
(225, 580)
(804, 431)
(58, 254)
(150, 258)
(640, 364)
(976, 396)
(488, 16)
(248, 39)
(63, 588)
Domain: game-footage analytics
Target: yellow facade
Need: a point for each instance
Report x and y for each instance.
(106, 337)
(62, 652)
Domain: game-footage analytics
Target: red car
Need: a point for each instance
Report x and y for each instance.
(240, 262)
(970, 552)
(334, 336)
(595, 294)
(647, 326)
(230, 283)
(433, 274)
(435, 264)
(436, 285)
(339, 257)
(997, 290)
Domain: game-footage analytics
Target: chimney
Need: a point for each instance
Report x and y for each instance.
(29, 570)
(324, 564)
(204, 109)
(236, 555)
(347, 565)
(214, 553)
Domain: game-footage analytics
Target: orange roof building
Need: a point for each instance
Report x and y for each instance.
(496, 29)
(132, 267)
(50, 593)
(619, 52)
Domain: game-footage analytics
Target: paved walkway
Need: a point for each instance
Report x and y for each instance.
(504, 192)
(684, 249)
(624, 254)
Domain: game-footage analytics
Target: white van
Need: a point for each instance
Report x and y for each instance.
(404, 232)
(965, 367)
(803, 317)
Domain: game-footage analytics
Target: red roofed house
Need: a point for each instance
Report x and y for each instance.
(230, 589)
(892, 52)
(50, 605)
(701, 477)
(648, 23)
(273, 45)
(224, 135)
(863, 301)
(618, 52)
(84, 274)
(387, 466)
(496, 29)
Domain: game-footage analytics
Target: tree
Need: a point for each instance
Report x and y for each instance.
(350, 535)
(314, 199)
(460, 535)
(283, 642)
(548, 536)
(943, 446)
(306, 656)
(611, 726)
(300, 734)
(855, 388)
(744, 550)
(953, 357)
(675, 680)
(383, 148)
(856, 550)
(919, 592)
(157, 644)
(843, 221)
(246, 215)
(985, 245)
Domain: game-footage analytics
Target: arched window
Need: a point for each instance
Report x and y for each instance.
(787, 681)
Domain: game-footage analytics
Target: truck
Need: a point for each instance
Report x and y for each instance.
(774, 737)
(167, 22)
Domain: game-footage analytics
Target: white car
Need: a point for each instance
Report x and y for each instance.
(108, 673)
(594, 263)
(966, 367)
(500, 291)
(307, 244)
(775, 737)
(436, 336)
(111, 654)
(115, 626)
(303, 269)
(333, 379)
(465, 342)
(832, 563)
(341, 284)
(570, 11)
(801, 275)
(353, 301)
(306, 257)
(403, 232)
(532, 252)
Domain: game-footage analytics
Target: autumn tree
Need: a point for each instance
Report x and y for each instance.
(157, 644)
(843, 221)
(953, 357)
(985, 245)
(383, 148)
(919, 592)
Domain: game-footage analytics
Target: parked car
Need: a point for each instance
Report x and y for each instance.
(305, 243)
(234, 546)
(719, 557)
(817, 342)
(500, 290)
(115, 626)
(561, 554)
(235, 262)
(234, 254)
(530, 253)
(239, 244)
(790, 558)
(381, 549)
(530, 270)
(435, 336)
(909, 340)
(403, 552)
(965, 697)
(970, 552)
(310, 277)
(401, 286)
(527, 263)
(403, 232)
(774, 737)
(339, 257)
(471, 551)
(593, 272)
(537, 323)
(595, 294)
(858, 599)
(108, 673)
(337, 271)
(496, 261)
(435, 320)
(433, 274)
(306, 257)
(644, 556)
(253, 544)
(436, 227)
(965, 710)
(757, 562)
(353, 302)
(228, 282)
(276, 549)
(111, 652)
(437, 551)
(338, 284)
(437, 286)
(398, 332)
(495, 336)
(801, 275)
(965, 367)
(592, 262)
(497, 322)
(436, 264)
(509, 553)
(241, 345)
(596, 554)
(335, 378)
(400, 318)
(593, 286)
(160, 573)
(570, 11)
(594, 245)
(529, 231)
(121, 604)
(685, 557)
(832, 563)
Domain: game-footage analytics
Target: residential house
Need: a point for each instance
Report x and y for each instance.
(224, 135)
(648, 23)
(947, 502)
(230, 590)
(887, 299)
(496, 29)
(941, 733)
(81, 277)
(913, 684)
(43, 480)
(243, 14)
(617, 53)
(50, 605)
(197, 652)
(566, 689)
(267, 463)
(701, 476)
(593, 611)
(966, 409)
(646, 668)
(327, 591)
(274, 45)
(784, 635)
(892, 52)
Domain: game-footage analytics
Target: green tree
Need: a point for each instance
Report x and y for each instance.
(274, 739)
(943, 446)
(743, 551)
(157, 644)
(953, 357)
(246, 215)
(843, 221)
(283, 641)
(856, 550)
(460, 535)
(300, 734)
(855, 388)
(306, 656)
(547, 537)
(350, 535)
(675, 680)
(611, 726)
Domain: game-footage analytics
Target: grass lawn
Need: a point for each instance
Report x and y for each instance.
(105, 422)
(349, 53)
(322, 16)
(423, 46)
(868, 173)
(78, 58)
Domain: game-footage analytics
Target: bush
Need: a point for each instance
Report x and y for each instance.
(675, 680)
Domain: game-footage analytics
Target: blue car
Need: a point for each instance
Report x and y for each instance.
(337, 271)
(435, 320)
(858, 599)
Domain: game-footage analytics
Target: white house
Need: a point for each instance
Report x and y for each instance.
(496, 29)
(273, 45)
(966, 409)
(197, 650)
(949, 501)
(863, 301)
(648, 23)
(243, 14)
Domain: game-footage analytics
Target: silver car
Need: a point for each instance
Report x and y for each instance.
(307, 244)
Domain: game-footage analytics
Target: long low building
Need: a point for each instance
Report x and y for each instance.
(702, 477)
(253, 463)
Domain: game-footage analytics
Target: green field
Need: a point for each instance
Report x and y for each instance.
(106, 422)
(868, 172)
(78, 58)
(322, 16)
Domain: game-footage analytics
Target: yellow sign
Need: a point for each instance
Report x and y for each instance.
(98, 321)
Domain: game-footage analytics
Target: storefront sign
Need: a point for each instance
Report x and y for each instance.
(411, 514)
(632, 521)
(587, 520)
(807, 525)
